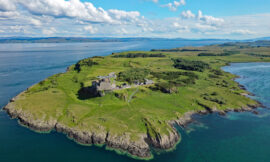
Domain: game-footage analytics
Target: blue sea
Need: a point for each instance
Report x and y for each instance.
(237, 137)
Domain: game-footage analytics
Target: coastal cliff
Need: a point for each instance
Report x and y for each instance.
(140, 148)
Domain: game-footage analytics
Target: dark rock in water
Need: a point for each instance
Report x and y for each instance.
(203, 112)
(222, 113)
(255, 112)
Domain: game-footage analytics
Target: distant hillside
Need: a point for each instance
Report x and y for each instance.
(108, 39)
(74, 40)
(263, 38)
(257, 43)
(102, 39)
(54, 40)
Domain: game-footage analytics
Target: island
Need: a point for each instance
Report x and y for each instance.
(133, 101)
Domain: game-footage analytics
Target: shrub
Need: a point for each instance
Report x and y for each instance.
(225, 53)
(133, 75)
(217, 72)
(177, 50)
(213, 76)
(166, 87)
(171, 75)
(101, 57)
(214, 98)
(135, 55)
(86, 62)
(176, 78)
(190, 65)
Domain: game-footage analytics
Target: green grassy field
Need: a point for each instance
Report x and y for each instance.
(144, 109)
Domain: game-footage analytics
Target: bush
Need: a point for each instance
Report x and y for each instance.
(166, 87)
(190, 65)
(214, 98)
(213, 76)
(133, 75)
(225, 53)
(101, 57)
(86, 62)
(174, 77)
(217, 72)
(135, 55)
(172, 80)
(177, 50)
(171, 75)
(257, 55)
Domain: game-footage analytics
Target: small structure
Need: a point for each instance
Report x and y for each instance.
(111, 75)
(125, 86)
(148, 82)
(145, 82)
(107, 84)
(102, 86)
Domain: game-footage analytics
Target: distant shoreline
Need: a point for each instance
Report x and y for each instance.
(85, 40)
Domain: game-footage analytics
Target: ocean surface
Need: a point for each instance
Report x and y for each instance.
(212, 138)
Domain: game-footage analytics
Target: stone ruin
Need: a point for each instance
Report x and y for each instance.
(104, 84)
(107, 84)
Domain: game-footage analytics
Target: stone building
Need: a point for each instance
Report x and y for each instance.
(107, 84)
(102, 86)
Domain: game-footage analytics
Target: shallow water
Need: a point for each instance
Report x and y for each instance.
(212, 138)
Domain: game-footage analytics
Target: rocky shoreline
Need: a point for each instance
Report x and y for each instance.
(140, 149)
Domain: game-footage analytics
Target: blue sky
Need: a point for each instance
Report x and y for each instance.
(212, 7)
(233, 19)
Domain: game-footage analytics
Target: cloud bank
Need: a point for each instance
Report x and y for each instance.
(77, 18)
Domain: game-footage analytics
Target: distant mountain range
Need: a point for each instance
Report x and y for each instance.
(81, 39)
(263, 38)
(102, 39)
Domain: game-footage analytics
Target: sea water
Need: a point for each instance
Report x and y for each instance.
(212, 138)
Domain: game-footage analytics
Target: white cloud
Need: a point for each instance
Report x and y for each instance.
(70, 9)
(123, 31)
(18, 29)
(242, 32)
(155, 1)
(187, 14)
(49, 31)
(35, 22)
(209, 20)
(180, 28)
(124, 16)
(8, 14)
(90, 29)
(174, 5)
(7, 5)
(203, 28)
(76, 9)
(76, 18)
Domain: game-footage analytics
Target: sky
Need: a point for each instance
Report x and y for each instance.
(195, 19)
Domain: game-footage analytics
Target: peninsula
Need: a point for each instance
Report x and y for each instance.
(132, 101)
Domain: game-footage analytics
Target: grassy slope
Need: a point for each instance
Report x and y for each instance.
(56, 97)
